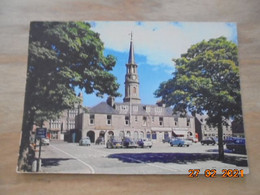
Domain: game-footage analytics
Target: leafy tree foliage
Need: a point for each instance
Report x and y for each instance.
(62, 56)
(206, 80)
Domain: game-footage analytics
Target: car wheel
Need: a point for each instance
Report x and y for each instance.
(150, 146)
(207, 144)
(188, 145)
(171, 145)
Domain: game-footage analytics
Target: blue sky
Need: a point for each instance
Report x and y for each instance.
(155, 45)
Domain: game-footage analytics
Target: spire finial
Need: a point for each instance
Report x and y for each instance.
(131, 59)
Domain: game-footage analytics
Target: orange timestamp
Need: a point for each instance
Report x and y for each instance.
(211, 173)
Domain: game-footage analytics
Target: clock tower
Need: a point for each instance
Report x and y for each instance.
(131, 78)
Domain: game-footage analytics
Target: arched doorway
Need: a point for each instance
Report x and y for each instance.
(148, 135)
(141, 134)
(121, 134)
(128, 134)
(110, 133)
(166, 135)
(135, 135)
(91, 135)
(102, 134)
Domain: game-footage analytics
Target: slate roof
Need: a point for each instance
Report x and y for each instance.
(104, 108)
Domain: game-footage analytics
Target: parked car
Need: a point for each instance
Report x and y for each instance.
(85, 141)
(45, 141)
(229, 140)
(145, 143)
(208, 141)
(166, 140)
(238, 146)
(180, 142)
(114, 142)
(129, 143)
(100, 141)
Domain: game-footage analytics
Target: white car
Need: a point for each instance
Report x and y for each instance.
(45, 141)
(145, 143)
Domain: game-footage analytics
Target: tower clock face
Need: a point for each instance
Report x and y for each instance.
(134, 76)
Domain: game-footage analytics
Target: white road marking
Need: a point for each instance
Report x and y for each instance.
(91, 168)
(149, 164)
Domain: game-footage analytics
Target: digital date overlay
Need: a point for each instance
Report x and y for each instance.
(211, 173)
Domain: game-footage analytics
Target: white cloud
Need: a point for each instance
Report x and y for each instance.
(159, 41)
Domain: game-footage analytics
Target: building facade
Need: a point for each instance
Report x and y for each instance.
(131, 118)
(65, 123)
(204, 130)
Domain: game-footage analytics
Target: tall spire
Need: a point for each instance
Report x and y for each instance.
(131, 59)
(131, 78)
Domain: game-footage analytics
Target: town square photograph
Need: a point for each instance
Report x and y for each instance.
(133, 97)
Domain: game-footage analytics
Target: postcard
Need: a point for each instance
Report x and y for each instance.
(110, 97)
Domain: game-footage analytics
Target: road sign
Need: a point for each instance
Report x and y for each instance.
(41, 132)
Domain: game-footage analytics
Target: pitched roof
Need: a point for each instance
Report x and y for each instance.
(103, 108)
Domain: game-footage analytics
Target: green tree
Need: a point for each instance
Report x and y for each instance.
(206, 80)
(62, 56)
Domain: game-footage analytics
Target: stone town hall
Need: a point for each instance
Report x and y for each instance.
(132, 118)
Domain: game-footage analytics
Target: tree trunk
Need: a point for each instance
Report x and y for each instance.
(26, 153)
(221, 156)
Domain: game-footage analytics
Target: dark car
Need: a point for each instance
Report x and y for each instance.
(166, 140)
(208, 141)
(238, 146)
(229, 140)
(100, 141)
(114, 142)
(129, 143)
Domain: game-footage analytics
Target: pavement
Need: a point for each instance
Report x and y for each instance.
(63, 157)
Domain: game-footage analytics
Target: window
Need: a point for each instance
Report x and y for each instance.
(124, 107)
(109, 119)
(144, 120)
(136, 119)
(161, 121)
(154, 135)
(176, 121)
(91, 119)
(148, 135)
(147, 108)
(135, 108)
(126, 120)
(152, 118)
(134, 90)
(188, 122)
(158, 109)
